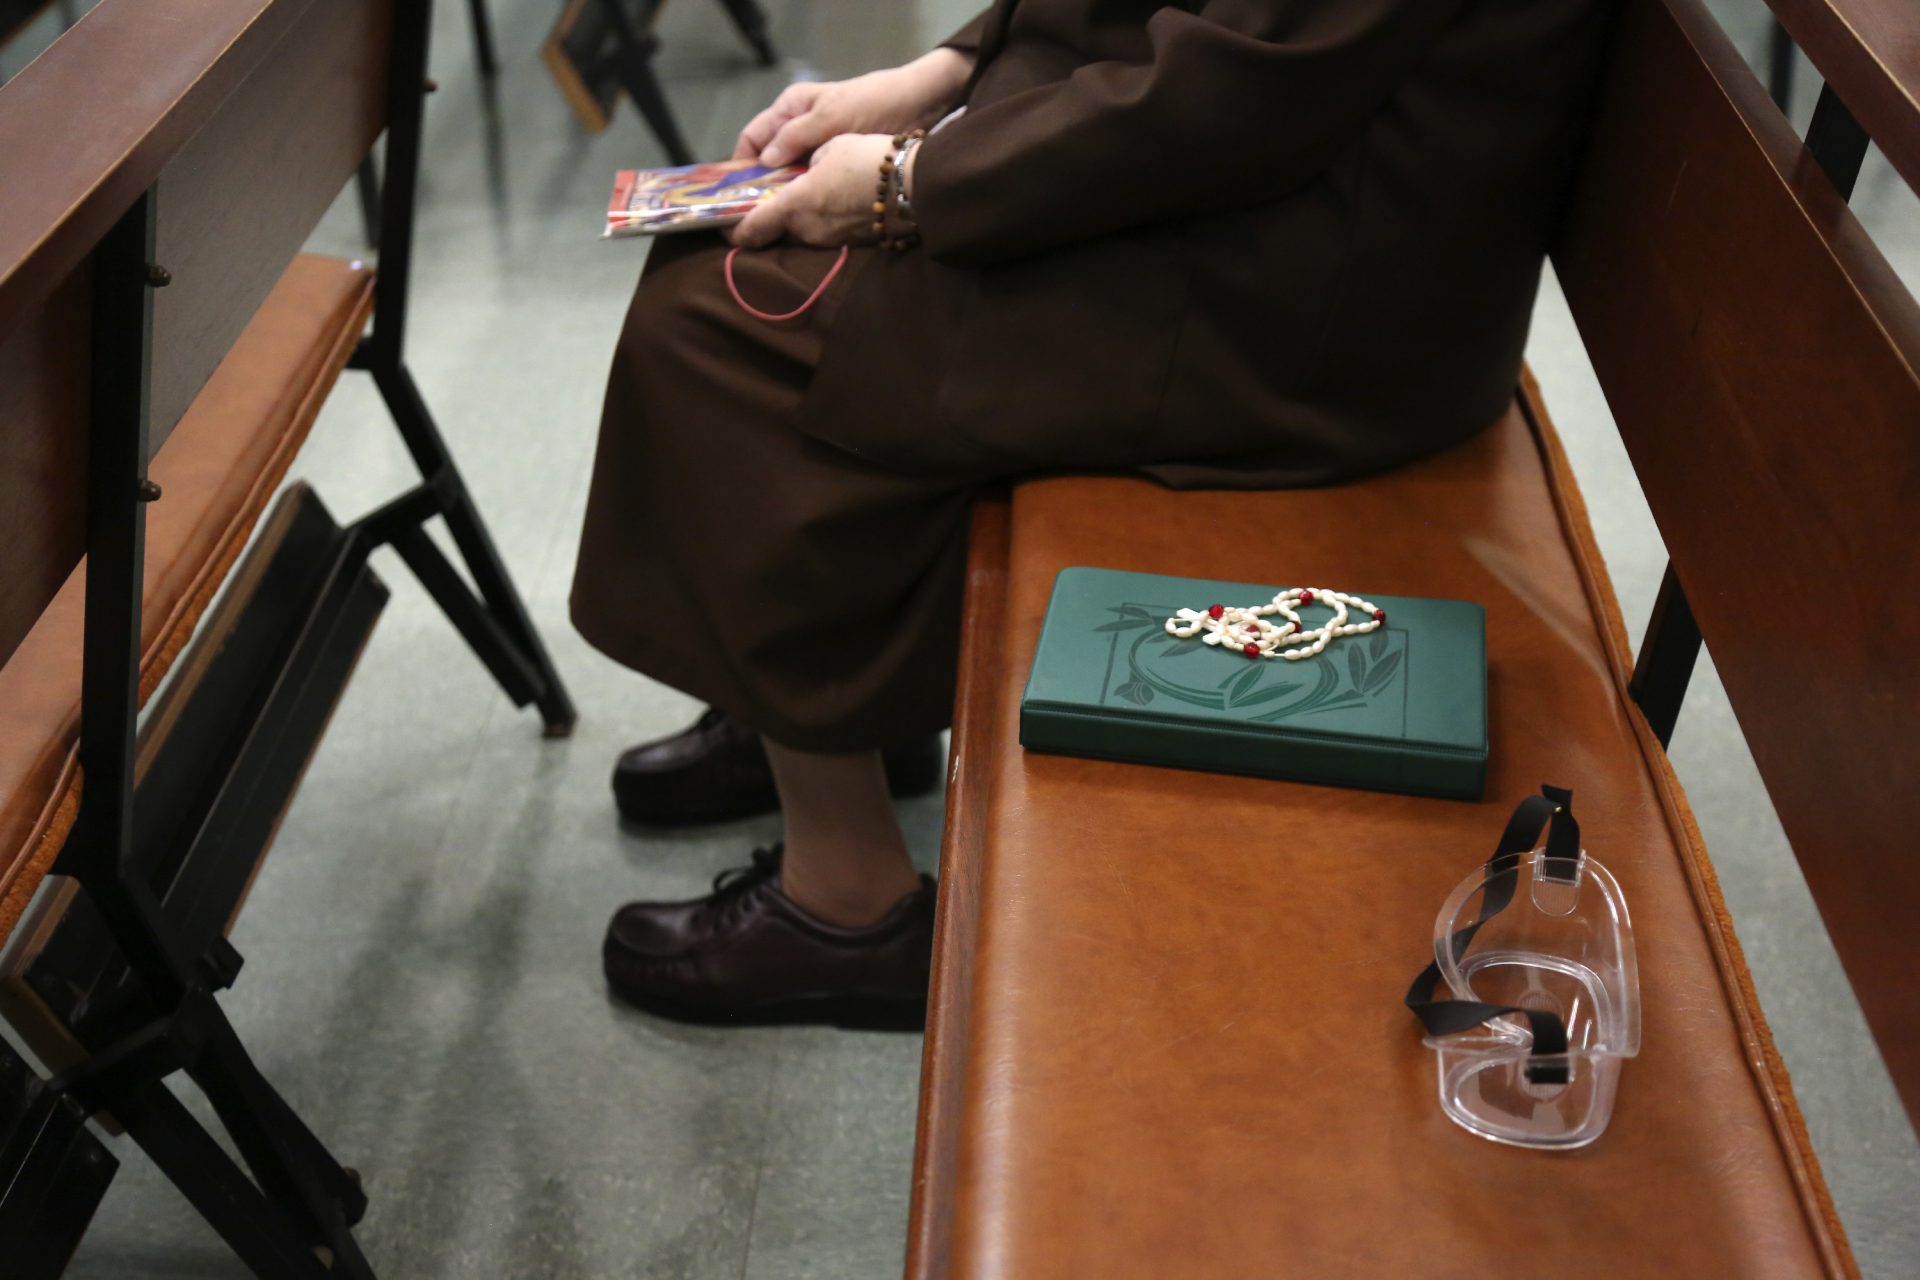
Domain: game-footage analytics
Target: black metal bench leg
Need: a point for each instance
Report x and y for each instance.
(53, 1172)
(476, 624)
(302, 1196)
(501, 598)
(1668, 655)
(644, 88)
(444, 492)
(483, 39)
(632, 61)
(367, 184)
(752, 22)
(1836, 140)
(299, 1203)
(1780, 67)
(253, 1226)
(292, 1164)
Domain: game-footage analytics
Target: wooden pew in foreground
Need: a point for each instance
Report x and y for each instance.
(1155, 1055)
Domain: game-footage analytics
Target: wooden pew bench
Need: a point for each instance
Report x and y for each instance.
(165, 348)
(216, 474)
(1166, 1036)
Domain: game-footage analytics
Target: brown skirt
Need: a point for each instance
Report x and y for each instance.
(810, 593)
(796, 558)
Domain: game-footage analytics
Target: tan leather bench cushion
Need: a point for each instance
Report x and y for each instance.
(1186, 1057)
(216, 473)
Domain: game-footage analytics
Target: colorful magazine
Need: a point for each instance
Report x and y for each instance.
(690, 197)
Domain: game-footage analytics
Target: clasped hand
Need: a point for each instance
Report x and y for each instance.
(830, 204)
(845, 127)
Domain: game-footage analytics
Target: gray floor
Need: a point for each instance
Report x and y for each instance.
(421, 949)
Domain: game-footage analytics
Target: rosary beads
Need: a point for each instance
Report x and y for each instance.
(1249, 631)
(890, 197)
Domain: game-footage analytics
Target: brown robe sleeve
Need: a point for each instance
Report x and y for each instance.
(1241, 102)
(967, 39)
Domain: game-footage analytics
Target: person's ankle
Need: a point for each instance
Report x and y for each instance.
(850, 904)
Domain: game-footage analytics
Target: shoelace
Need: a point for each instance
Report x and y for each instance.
(737, 887)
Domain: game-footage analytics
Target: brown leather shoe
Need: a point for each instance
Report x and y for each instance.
(747, 954)
(716, 770)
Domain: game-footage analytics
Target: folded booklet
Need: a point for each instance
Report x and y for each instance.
(1401, 708)
(691, 197)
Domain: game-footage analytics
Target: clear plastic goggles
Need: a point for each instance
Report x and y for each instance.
(1535, 950)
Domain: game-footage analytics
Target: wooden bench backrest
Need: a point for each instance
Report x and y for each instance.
(246, 117)
(1869, 51)
(1763, 365)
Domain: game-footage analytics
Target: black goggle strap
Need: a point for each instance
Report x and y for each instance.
(1552, 809)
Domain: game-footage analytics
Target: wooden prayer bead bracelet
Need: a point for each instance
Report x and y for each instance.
(891, 195)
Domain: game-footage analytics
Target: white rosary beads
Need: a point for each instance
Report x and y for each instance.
(1249, 631)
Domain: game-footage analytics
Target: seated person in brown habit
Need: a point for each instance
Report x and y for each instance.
(1226, 243)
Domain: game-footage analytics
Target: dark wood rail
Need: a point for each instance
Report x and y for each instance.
(70, 177)
(230, 96)
(1869, 51)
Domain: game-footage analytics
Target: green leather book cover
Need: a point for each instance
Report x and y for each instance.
(1403, 708)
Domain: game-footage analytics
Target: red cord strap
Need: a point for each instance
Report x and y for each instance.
(798, 311)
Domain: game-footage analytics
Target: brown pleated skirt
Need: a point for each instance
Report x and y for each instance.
(727, 552)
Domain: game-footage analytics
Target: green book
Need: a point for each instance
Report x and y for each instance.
(1403, 708)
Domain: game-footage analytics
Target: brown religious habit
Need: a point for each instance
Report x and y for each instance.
(1239, 243)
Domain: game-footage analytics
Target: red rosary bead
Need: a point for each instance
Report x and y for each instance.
(1380, 616)
(1215, 610)
(1252, 651)
(1306, 597)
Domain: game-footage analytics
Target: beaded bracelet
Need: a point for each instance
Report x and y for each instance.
(902, 202)
(892, 190)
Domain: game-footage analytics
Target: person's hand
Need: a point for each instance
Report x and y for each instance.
(830, 204)
(807, 115)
